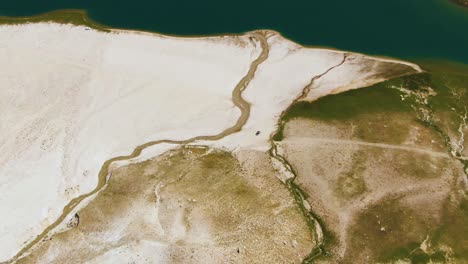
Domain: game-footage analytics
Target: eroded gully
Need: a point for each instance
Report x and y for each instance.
(313, 222)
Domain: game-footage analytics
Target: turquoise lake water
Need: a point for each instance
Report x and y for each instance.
(409, 29)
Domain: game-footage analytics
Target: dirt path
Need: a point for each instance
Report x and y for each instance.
(238, 101)
(370, 144)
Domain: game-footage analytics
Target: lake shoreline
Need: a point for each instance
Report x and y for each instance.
(85, 16)
(80, 17)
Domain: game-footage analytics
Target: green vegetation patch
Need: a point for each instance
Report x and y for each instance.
(382, 112)
(74, 17)
(347, 106)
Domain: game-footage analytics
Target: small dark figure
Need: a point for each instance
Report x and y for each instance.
(238, 251)
(74, 222)
(258, 133)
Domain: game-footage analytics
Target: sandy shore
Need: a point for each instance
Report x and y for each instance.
(74, 98)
